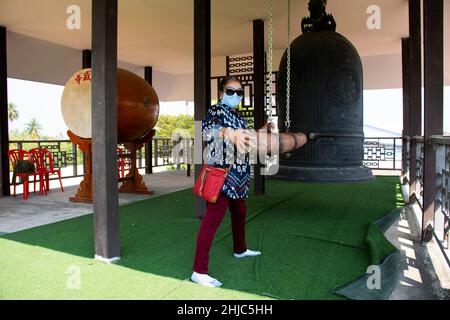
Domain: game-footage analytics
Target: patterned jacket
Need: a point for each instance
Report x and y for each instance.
(222, 153)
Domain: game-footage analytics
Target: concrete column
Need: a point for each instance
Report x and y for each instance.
(259, 79)
(202, 81)
(149, 145)
(433, 11)
(104, 130)
(4, 130)
(415, 86)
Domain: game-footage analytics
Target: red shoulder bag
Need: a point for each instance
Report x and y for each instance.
(210, 182)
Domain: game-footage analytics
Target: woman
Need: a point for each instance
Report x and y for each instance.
(226, 130)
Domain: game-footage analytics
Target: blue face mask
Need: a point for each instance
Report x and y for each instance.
(231, 101)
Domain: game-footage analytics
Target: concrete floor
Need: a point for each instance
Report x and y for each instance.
(17, 214)
(425, 273)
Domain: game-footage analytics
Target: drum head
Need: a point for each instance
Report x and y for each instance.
(76, 104)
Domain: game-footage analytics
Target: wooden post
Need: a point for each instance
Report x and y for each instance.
(85, 191)
(148, 146)
(202, 82)
(104, 130)
(86, 63)
(406, 71)
(87, 59)
(415, 86)
(4, 131)
(134, 182)
(259, 103)
(433, 14)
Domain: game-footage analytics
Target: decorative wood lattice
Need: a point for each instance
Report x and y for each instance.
(242, 67)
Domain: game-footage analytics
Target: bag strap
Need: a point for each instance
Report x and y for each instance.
(205, 172)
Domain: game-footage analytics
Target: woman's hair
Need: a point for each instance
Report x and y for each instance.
(223, 83)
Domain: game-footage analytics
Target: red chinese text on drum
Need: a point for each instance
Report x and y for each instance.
(85, 77)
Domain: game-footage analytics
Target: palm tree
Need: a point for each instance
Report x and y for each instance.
(13, 113)
(33, 129)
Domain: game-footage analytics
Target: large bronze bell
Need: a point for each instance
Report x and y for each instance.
(326, 104)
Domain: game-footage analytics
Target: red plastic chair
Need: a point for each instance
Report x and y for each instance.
(16, 155)
(121, 162)
(43, 160)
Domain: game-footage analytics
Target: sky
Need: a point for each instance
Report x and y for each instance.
(43, 102)
(382, 108)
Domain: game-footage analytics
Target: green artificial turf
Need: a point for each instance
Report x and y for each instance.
(313, 239)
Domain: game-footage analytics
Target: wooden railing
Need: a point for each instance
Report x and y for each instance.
(379, 153)
(383, 153)
(69, 158)
(440, 225)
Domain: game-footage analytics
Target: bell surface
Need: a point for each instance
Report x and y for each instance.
(326, 105)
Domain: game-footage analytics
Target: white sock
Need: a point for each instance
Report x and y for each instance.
(248, 253)
(205, 280)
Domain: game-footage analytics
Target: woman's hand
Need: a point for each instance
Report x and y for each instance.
(244, 140)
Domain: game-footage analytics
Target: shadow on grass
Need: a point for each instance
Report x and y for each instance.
(312, 237)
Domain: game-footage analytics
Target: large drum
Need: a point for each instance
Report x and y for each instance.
(137, 105)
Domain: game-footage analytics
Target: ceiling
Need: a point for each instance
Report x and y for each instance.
(160, 32)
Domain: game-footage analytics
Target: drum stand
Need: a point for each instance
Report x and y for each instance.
(132, 183)
(84, 192)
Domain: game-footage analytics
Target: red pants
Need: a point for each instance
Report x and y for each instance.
(211, 221)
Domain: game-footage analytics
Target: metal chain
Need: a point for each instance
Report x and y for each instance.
(269, 107)
(288, 80)
(270, 62)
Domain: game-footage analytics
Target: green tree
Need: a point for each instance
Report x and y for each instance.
(16, 134)
(13, 113)
(167, 125)
(33, 129)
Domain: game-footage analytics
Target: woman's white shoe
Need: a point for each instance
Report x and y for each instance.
(248, 253)
(205, 280)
